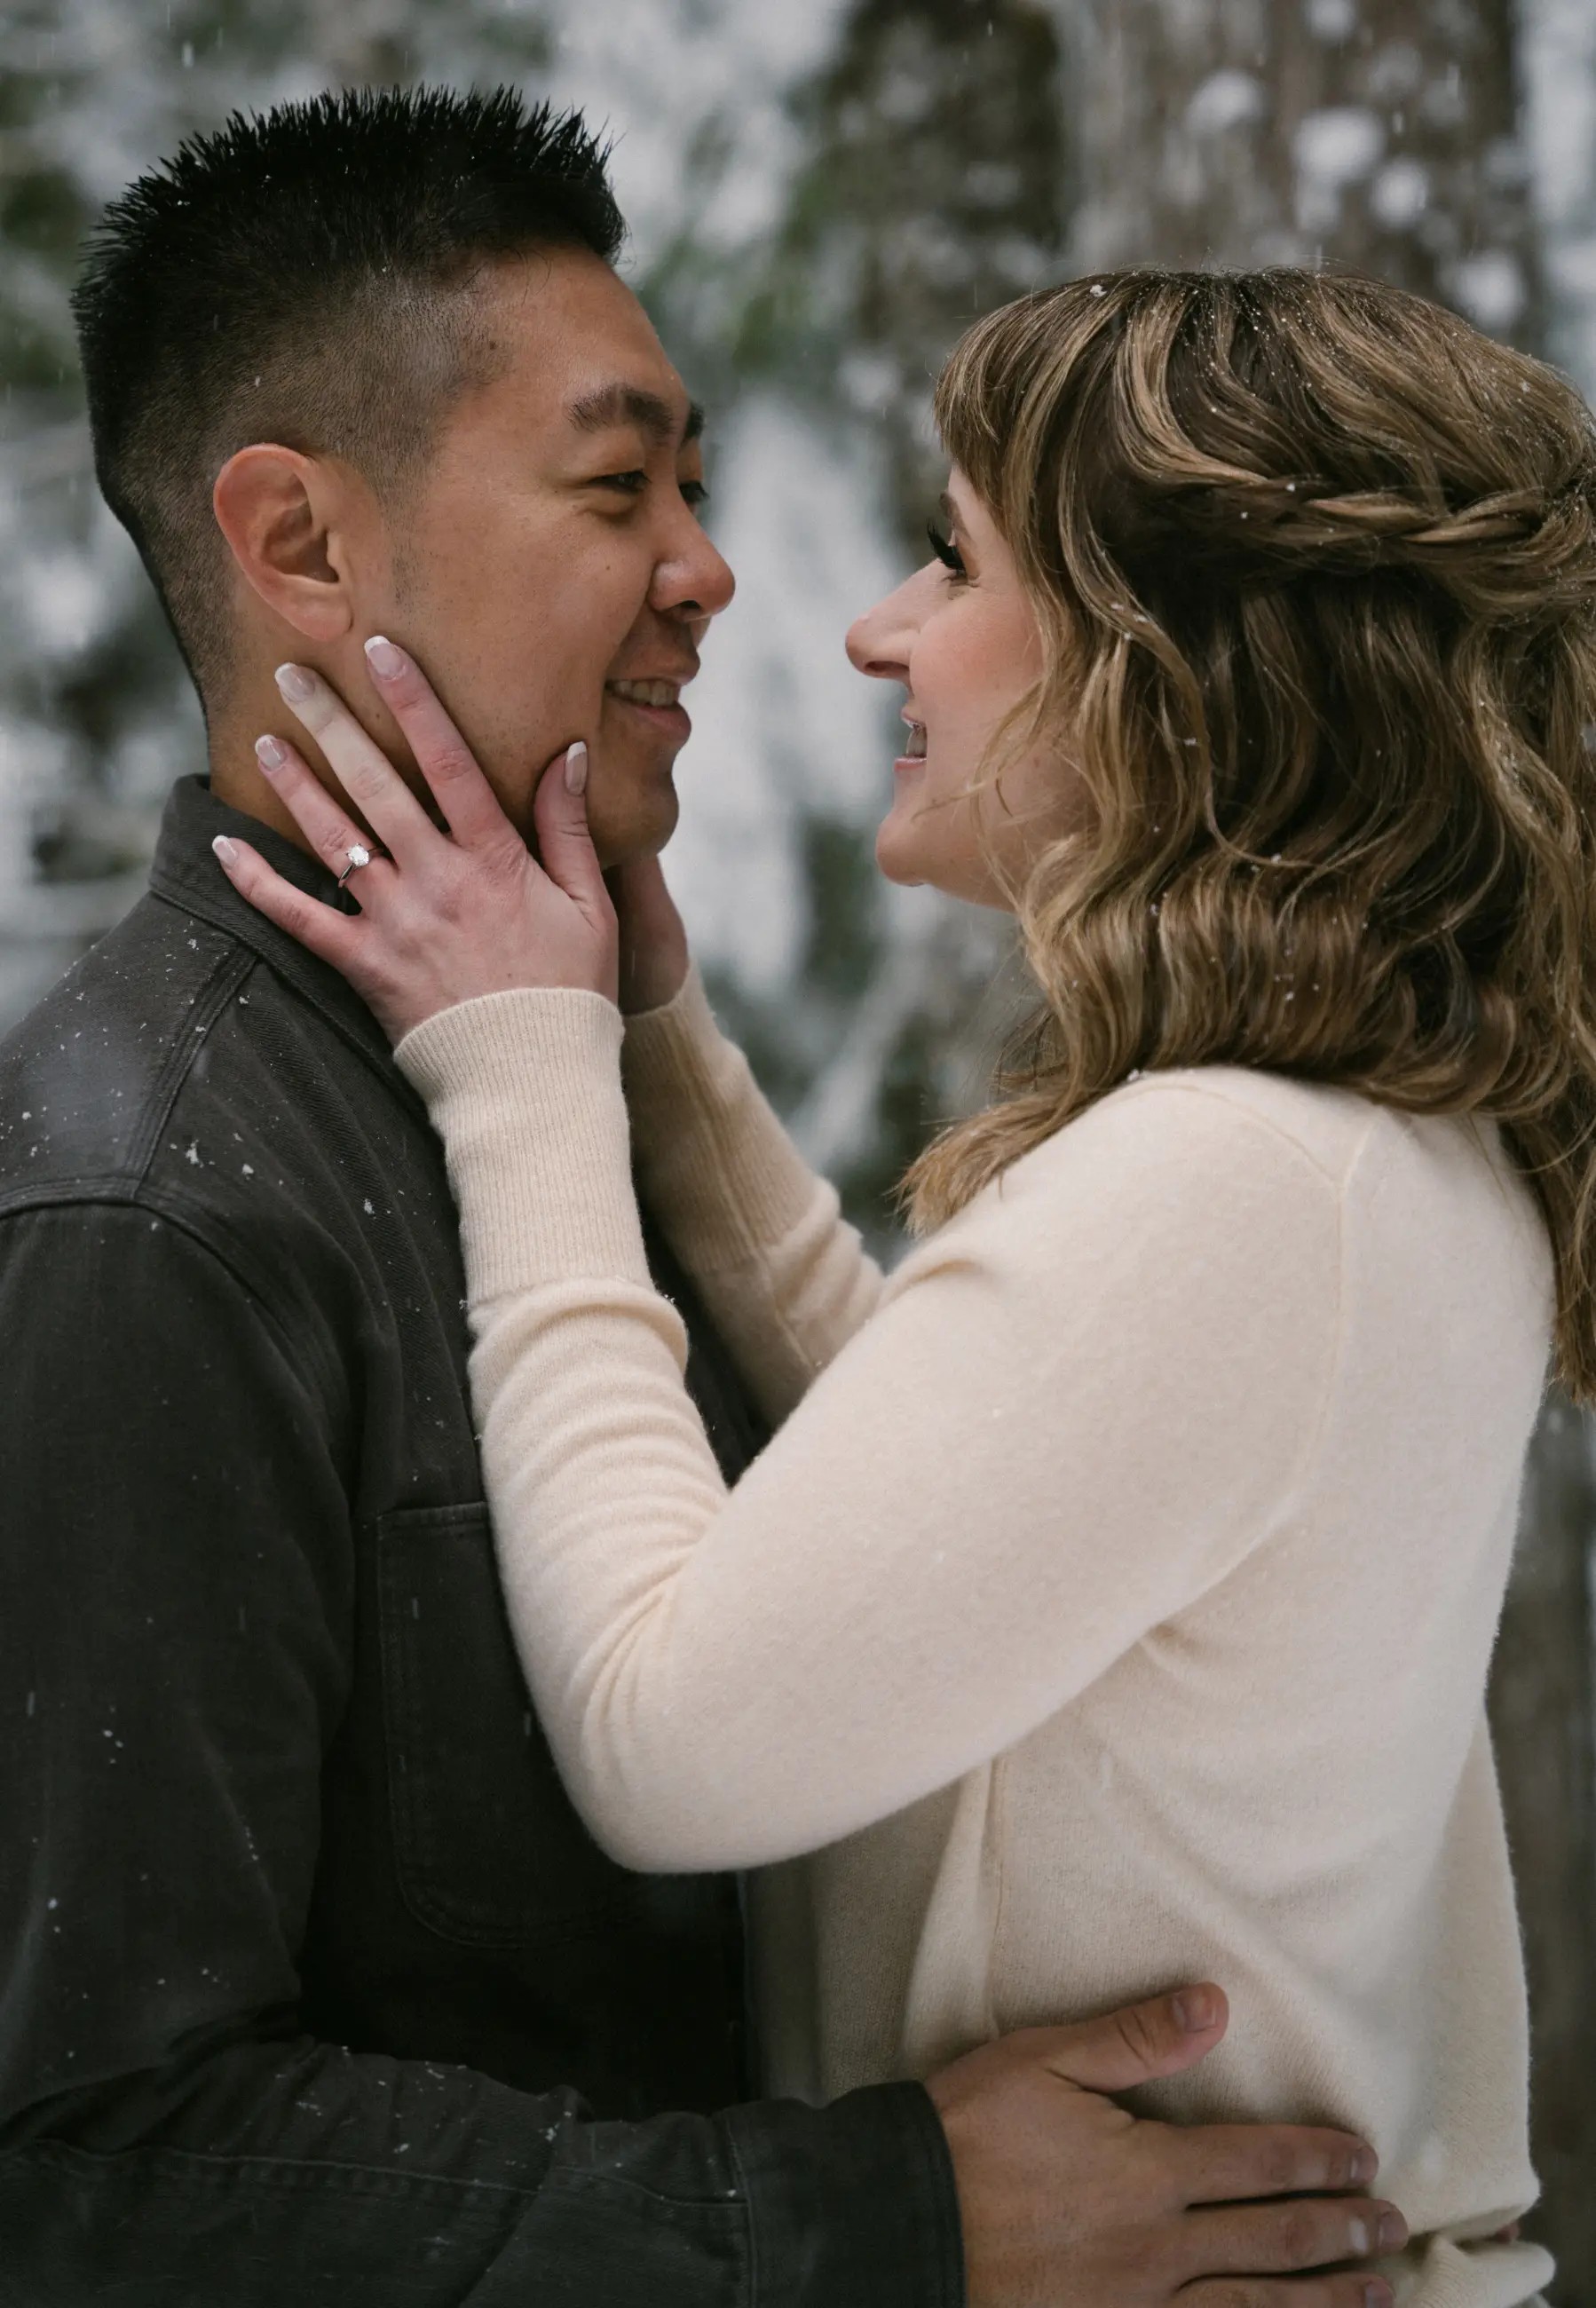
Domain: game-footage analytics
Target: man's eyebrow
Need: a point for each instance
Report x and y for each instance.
(628, 404)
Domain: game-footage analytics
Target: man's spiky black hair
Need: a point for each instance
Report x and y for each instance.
(288, 279)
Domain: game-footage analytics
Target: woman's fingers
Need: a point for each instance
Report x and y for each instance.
(470, 805)
(362, 768)
(328, 827)
(442, 920)
(334, 936)
(564, 844)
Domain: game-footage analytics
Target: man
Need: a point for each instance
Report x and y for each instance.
(314, 1987)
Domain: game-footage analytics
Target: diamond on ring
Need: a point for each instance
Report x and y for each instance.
(358, 855)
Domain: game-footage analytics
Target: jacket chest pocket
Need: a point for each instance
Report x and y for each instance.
(490, 1852)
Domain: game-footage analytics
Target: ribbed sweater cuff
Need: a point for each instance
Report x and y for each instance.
(524, 1089)
(716, 1165)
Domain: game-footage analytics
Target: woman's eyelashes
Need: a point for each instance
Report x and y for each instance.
(946, 552)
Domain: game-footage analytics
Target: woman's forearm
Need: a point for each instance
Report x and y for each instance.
(786, 1281)
(953, 1535)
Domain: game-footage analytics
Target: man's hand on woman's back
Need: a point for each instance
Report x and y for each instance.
(1069, 2201)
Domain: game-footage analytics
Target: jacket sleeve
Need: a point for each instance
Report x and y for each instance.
(174, 1587)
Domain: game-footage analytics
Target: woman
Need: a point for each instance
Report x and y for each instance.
(1114, 1605)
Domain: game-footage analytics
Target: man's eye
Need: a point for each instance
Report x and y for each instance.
(633, 483)
(695, 494)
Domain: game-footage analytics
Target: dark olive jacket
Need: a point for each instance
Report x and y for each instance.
(313, 1987)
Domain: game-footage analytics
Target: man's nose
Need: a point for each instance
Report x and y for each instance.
(695, 582)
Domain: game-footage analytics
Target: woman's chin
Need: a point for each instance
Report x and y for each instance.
(895, 855)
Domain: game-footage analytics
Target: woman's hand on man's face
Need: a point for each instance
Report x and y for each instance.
(443, 916)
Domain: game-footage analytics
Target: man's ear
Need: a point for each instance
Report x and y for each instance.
(284, 516)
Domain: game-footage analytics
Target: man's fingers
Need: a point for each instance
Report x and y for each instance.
(1230, 2163)
(334, 936)
(358, 763)
(1131, 2046)
(1281, 2238)
(1347, 2291)
(470, 805)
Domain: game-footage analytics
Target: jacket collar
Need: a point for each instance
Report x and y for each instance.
(186, 873)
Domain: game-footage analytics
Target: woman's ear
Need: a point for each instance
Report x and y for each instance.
(284, 516)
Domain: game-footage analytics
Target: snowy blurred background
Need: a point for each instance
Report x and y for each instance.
(822, 191)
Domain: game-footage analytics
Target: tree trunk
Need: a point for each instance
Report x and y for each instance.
(1384, 135)
(1239, 131)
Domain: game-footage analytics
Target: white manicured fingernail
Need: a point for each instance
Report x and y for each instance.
(576, 767)
(270, 752)
(227, 851)
(295, 684)
(1357, 2238)
(385, 659)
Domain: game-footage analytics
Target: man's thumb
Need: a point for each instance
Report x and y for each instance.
(1144, 2040)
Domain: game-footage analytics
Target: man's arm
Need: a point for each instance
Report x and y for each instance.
(175, 1575)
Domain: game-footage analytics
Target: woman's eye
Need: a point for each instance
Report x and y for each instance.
(946, 551)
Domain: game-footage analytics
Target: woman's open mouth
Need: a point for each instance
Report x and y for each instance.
(914, 752)
(657, 702)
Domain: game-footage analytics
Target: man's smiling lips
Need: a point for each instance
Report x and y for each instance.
(656, 699)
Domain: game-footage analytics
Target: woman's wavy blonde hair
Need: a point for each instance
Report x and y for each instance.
(1315, 566)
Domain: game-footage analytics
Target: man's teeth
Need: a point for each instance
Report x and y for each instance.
(915, 751)
(648, 692)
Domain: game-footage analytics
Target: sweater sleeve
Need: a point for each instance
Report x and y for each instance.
(784, 1277)
(1076, 1409)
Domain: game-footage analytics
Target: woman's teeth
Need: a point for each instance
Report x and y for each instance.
(915, 751)
(647, 692)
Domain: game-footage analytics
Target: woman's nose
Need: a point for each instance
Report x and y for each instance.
(878, 642)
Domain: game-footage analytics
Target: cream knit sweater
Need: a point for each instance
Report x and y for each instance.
(1112, 1610)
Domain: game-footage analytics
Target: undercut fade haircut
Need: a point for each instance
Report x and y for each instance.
(305, 276)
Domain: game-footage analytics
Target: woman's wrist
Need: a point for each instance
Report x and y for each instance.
(524, 1089)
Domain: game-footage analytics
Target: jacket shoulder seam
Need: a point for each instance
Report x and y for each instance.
(228, 976)
(213, 1236)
